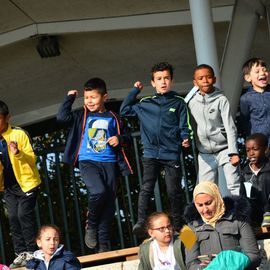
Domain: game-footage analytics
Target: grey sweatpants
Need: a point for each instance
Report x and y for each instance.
(208, 170)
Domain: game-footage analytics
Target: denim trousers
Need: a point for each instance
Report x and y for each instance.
(100, 180)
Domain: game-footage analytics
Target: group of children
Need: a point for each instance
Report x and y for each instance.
(96, 144)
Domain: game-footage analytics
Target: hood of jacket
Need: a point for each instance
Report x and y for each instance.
(237, 206)
(208, 98)
(264, 168)
(39, 254)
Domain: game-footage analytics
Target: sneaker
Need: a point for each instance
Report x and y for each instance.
(90, 237)
(139, 229)
(266, 219)
(21, 259)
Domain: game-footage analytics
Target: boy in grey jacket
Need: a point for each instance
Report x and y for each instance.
(216, 136)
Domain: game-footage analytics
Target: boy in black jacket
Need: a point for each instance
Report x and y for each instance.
(255, 179)
(164, 128)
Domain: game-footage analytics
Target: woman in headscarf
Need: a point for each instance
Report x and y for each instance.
(219, 225)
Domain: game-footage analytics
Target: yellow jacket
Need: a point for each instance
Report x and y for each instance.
(24, 163)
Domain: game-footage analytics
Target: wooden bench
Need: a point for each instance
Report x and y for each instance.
(120, 255)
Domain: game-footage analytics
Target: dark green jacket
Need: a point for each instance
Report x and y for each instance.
(144, 254)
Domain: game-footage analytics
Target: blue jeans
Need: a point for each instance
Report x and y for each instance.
(100, 180)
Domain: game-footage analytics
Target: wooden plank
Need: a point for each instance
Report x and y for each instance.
(262, 232)
(126, 253)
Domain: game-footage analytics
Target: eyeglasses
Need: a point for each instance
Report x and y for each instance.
(163, 229)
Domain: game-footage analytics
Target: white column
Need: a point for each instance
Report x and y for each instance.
(204, 35)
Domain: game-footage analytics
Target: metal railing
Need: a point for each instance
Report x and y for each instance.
(63, 200)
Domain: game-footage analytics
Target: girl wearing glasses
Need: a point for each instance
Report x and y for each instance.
(162, 251)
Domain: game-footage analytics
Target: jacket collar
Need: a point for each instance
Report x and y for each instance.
(237, 207)
(265, 167)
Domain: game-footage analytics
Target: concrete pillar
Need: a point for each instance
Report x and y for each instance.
(242, 31)
(204, 35)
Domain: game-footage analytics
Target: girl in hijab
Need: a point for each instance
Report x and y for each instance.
(219, 225)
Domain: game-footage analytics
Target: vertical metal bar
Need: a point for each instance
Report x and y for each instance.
(184, 177)
(119, 223)
(47, 188)
(37, 214)
(62, 200)
(130, 207)
(3, 255)
(194, 153)
(157, 197)
(77, 211)
(137, 158)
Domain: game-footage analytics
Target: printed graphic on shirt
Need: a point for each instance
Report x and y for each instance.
(98, 129)
(97, 135)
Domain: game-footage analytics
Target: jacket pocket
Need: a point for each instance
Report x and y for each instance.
(203, 236)
(229, 237)
(204, 242)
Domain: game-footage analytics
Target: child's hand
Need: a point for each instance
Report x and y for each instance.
(235, 160)
(13, 147)
(113, 141)
(185, 143)
(139, 85)
(73, 92)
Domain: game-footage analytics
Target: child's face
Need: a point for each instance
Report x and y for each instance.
(162, 81)
(204, 79)
(161, 230)
(48, 242)
(3, 123)
(255, 151)
(258, 77)
(94, 101)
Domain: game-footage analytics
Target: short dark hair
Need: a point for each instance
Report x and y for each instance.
(96, 84)
(204, 66)
(3, 108)
(48, 226)
(154, 216)
(161, 67)
(259, 137)
(255, 61)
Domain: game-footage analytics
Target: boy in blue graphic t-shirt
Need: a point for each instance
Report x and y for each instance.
(95, 143)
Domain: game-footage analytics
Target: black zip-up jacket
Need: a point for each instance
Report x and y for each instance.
(163, 122)
(76, 121)
(260, 190)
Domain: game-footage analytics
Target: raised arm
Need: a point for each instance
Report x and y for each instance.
(129, 104)
(64, 114)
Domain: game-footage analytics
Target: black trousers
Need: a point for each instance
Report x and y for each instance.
(21, 215)
(100, 180)
(152, 168)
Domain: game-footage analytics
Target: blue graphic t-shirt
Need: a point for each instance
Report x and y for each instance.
(98, 128)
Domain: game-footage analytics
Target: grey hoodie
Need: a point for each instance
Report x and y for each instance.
(216, 130)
